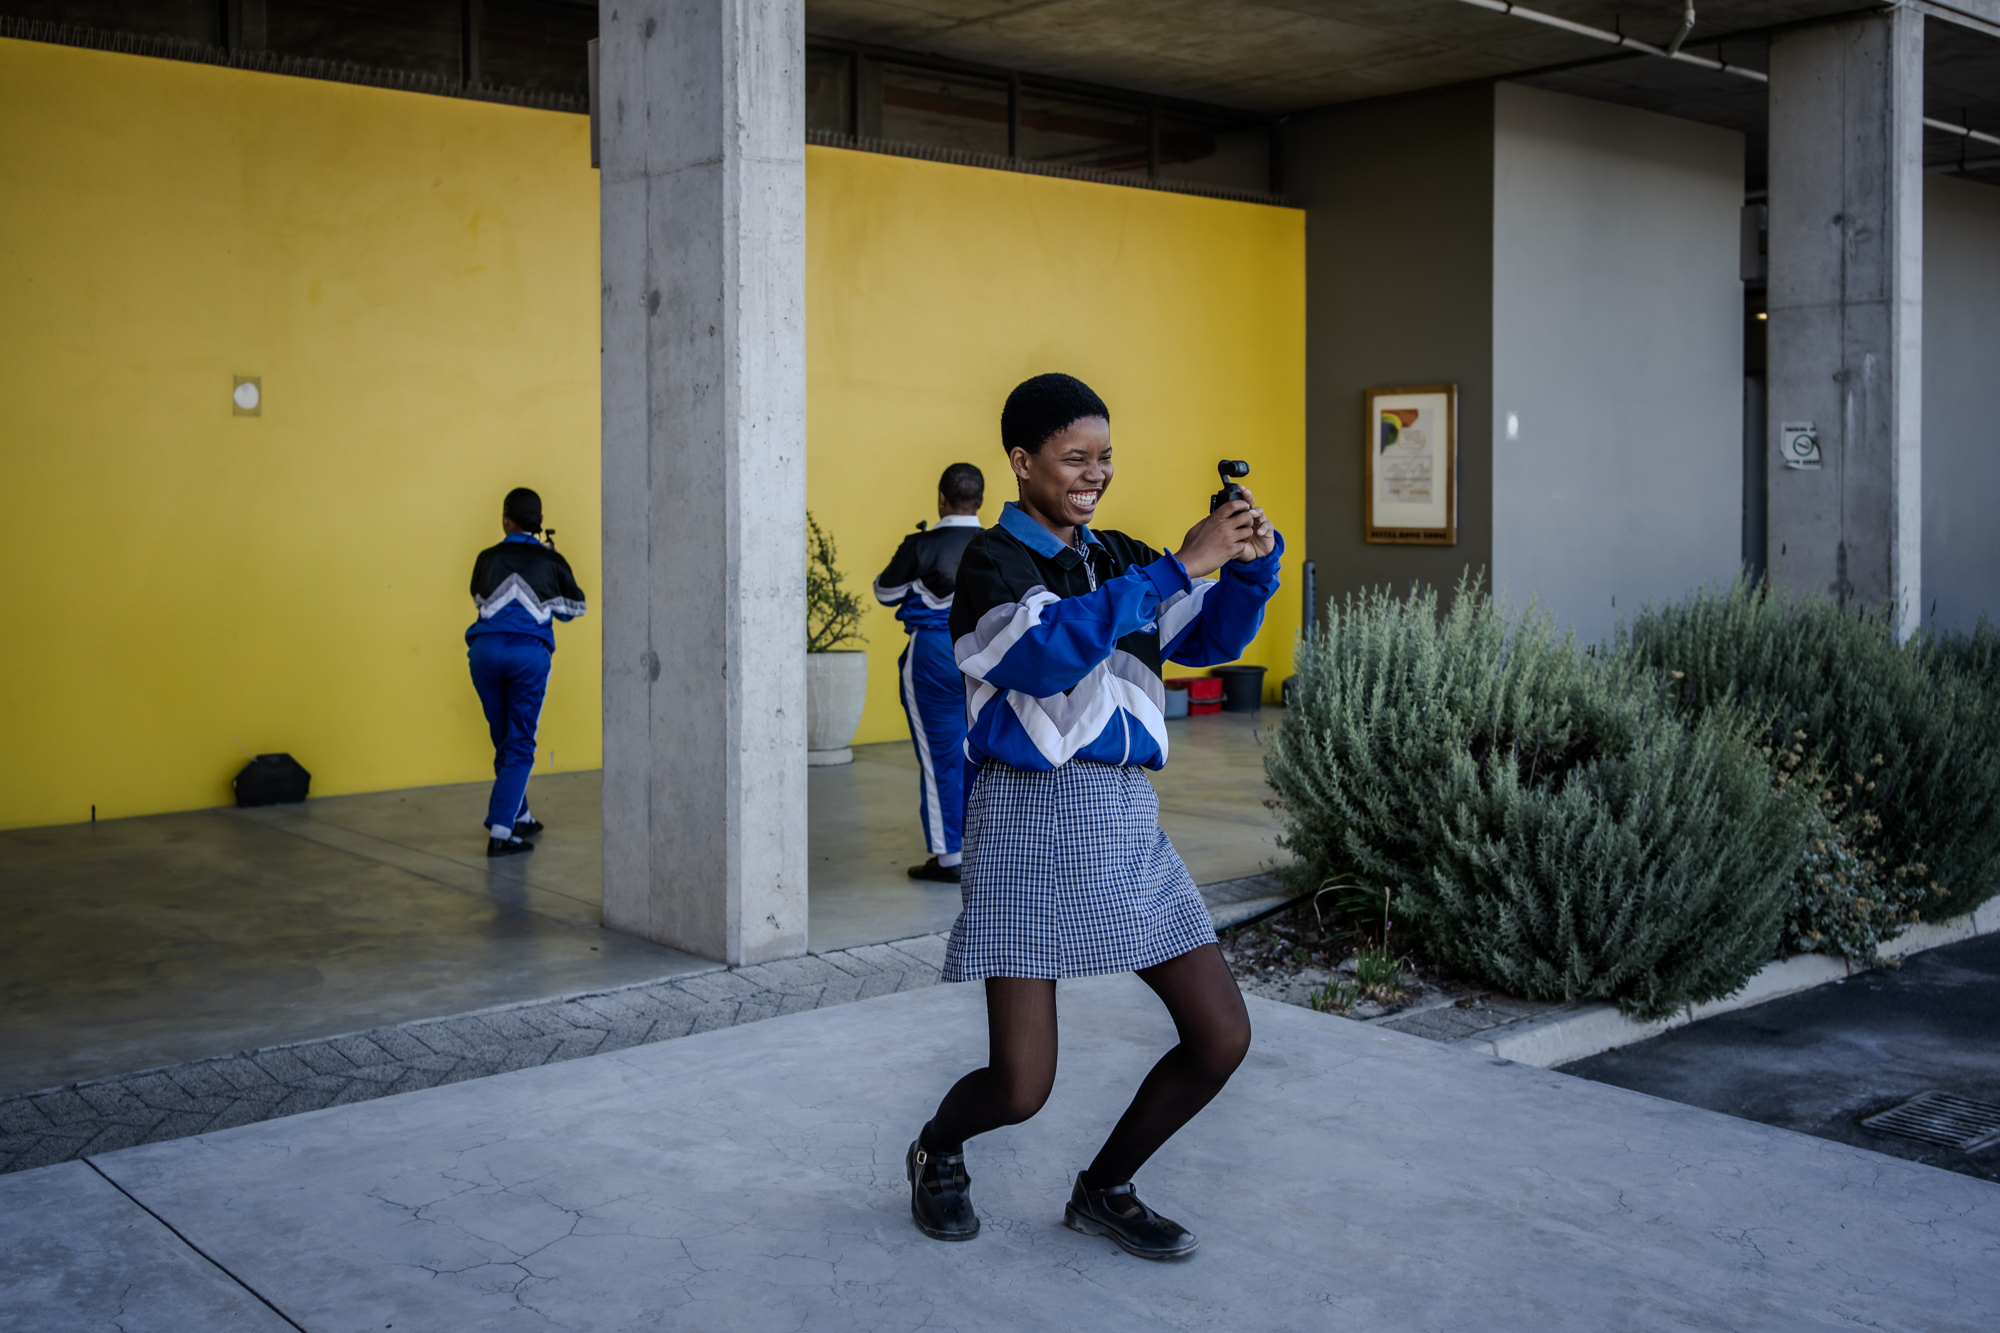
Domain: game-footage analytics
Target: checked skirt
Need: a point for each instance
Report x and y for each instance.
(1068, 874)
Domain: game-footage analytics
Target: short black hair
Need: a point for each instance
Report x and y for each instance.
(523, 509)
(1043, 407)
(962, 483)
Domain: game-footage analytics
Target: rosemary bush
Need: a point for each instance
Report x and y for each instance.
(1544, 820)
(1910, 730)
(1977, 654)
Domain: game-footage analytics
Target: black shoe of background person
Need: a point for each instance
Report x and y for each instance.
(931, 870)
(507, 846)
(1116, 1212)
(527, 828)
(940, 1194)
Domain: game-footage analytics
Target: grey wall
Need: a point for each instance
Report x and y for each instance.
(1961, 487)
(1618, 343)
(1399, 271)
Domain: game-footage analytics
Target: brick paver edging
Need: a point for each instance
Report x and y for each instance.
(173, 1102)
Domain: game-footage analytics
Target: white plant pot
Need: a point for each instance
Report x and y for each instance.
(836, 691)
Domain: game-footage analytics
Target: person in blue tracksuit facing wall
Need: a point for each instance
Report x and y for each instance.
(919, 583)
(520, 587)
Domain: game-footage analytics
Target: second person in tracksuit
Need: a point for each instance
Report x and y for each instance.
(919, 583)
(521, 588)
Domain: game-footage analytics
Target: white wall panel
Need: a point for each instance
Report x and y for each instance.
(1961, 551)
(1618, 350)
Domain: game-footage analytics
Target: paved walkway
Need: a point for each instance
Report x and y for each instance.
(199, 1096)
(751, 1178)
(136, 943)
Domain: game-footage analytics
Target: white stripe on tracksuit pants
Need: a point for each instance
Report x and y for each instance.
(934, 700)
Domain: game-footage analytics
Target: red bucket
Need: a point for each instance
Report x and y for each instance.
(1204, 693)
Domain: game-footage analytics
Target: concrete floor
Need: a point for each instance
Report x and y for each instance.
(752, 1179)
(1819, 1061)
(142, 942)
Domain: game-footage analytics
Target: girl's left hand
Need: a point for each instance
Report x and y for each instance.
(1263, 537)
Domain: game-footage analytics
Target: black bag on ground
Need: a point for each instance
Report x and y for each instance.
(272, 779)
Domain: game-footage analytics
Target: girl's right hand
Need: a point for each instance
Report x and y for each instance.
(1218, 539)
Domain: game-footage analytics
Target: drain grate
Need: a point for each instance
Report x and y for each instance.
(1940, 1118)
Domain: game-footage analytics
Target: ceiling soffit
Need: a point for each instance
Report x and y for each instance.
(1277, 56)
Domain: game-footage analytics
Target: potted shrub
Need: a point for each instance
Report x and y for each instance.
(836, 677)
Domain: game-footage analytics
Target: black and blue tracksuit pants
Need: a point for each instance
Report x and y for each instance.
(934, 701)
(511, 673)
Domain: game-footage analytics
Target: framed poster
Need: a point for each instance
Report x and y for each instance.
(1411, 439)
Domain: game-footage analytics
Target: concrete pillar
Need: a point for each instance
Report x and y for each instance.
(1846, 308)
(702, 106)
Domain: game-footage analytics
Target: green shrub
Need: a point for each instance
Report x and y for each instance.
(1912, 731)
(833, 614)
(1977, 654)
(1846, 897)
(1543, 820)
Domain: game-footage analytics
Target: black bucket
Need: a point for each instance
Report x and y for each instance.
(1242, 688)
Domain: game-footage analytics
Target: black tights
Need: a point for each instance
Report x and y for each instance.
(1214, 1029)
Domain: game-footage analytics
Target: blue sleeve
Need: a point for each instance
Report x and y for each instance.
(1044, 644)
(1216, 622)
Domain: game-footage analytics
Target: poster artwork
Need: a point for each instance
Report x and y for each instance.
(1411, 488)
(1403, 466)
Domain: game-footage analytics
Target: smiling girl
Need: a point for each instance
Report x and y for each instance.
(1060, 631)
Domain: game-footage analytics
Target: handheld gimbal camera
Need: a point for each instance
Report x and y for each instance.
(1227, 468)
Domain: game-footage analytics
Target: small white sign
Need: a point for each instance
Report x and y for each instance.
(1798, 445)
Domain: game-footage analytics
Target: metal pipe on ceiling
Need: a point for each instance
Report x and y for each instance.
(1674, 52)
(1619, 38)
(1963, 131)
(1687, 26)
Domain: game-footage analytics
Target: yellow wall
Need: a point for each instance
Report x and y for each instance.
(931, 290)
(415, 279)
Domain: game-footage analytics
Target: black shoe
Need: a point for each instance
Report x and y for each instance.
(507, 846)
(940, 1194)
(1116, 1212)
(933, 871)
(527, 828)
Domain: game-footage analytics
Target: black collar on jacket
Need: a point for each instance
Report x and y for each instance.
(999, 569)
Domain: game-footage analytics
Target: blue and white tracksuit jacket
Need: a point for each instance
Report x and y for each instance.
(1061, 648)
(919, 583)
